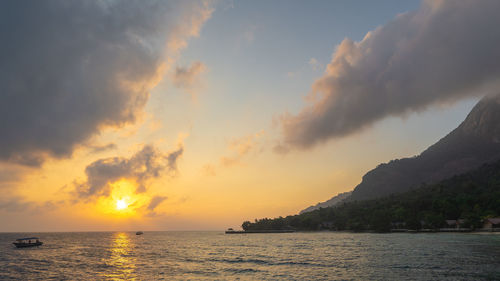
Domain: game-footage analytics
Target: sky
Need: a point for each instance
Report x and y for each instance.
(199, 115)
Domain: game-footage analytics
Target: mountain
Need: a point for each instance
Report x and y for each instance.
(329, 203)
(474, 142)
(470, 197)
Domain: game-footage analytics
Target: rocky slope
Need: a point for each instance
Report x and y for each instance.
(329, 203)
(475, 142)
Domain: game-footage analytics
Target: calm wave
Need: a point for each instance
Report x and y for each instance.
(289, 256)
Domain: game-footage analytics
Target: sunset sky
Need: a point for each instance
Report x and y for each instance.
(198, 115)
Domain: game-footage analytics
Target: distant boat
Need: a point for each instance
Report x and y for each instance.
(139, 233)
(27, 242)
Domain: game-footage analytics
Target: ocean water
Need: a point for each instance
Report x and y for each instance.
(285, 256)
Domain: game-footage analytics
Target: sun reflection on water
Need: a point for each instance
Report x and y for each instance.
(121, 260)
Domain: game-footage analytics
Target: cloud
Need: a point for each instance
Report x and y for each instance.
(241, 147)
(101, 148)
(15, 205)
(444, 51)
(249, 33)
(18, 204)
(279, 148)
(153, 203)
(71, 68)
(238, 149)
(188, 77)
(148, 163)
(246, 36)
(314, 63)
(11, 175)
(208, 170)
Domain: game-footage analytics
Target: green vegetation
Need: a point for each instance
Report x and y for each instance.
(471, 196)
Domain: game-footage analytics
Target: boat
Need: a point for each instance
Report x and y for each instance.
(139, 233)
(27, 242)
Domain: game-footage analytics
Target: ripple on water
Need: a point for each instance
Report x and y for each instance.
(290, 256)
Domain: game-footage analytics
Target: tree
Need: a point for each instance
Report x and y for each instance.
(246, 225)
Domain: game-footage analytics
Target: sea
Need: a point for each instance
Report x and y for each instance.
(273, 256)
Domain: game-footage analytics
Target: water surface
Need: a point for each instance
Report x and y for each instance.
(286, 256)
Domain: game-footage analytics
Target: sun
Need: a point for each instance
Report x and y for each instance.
(121, 204)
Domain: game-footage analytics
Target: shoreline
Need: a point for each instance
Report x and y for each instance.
(442, 230)
(259, 231)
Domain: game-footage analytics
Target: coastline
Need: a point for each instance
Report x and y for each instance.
(442, 230)
(259, 231)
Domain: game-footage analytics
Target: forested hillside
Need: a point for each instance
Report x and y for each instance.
(471, 196)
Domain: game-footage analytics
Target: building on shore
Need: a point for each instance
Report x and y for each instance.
(454, 223)
(491, 223)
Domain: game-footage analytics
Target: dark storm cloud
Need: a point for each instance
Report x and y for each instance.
(445, 51)
(70, 68)
(146, 164)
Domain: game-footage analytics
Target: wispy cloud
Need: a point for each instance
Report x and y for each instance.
(315, 64)
(237, 150)
(188, 78)
(153, 204)
(209, 170)
(18, 205)
(247, 35)
(240, 147)
(95, 148)
(444, 51)
(11, 175)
